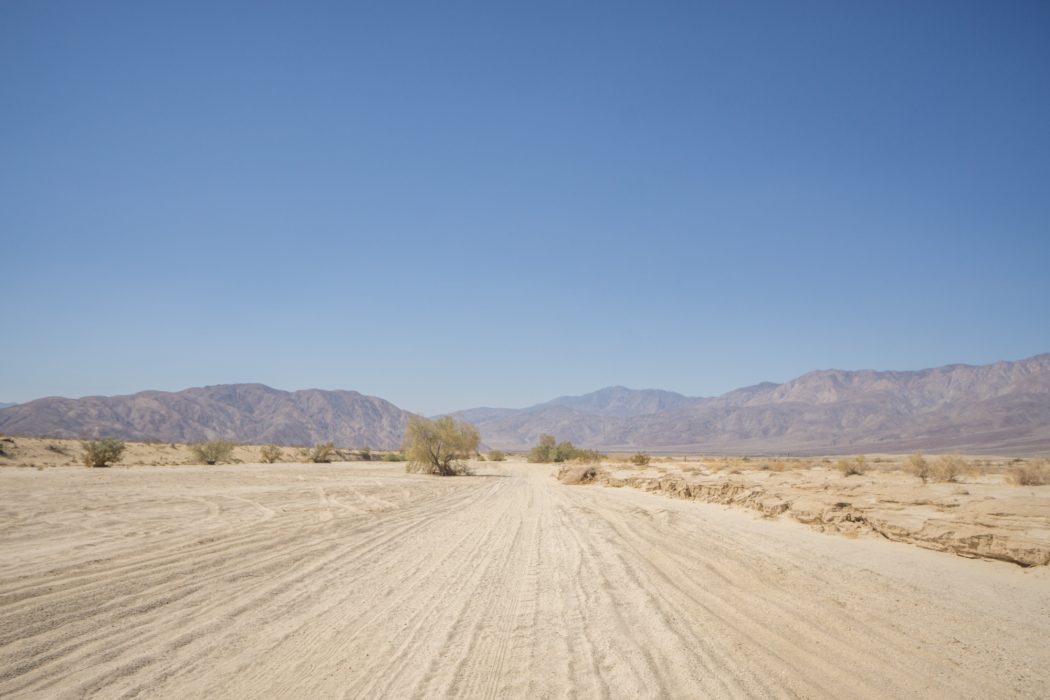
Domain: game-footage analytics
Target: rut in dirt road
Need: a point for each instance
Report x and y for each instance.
(362, 582)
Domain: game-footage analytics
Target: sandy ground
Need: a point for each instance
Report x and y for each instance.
(358, 580)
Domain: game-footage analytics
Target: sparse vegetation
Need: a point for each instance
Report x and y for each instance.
(548, 450)
(545, 449)
(589, 456)
(365, 454)
(497, 456)
(213, 452)
(640, 459)
(917, 465)
(439, 446)
(850, 467)
(270, 454)
(321, 453)
(393, 457)
(1037, 474)
(947, 468)
(102, 453)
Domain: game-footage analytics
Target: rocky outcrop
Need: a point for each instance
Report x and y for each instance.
(985, 521)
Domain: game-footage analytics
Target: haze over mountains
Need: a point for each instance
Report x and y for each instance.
(1000, 408)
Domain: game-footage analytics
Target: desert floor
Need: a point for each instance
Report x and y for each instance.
(358, 580)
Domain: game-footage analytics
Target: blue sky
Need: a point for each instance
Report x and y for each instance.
(460, 204)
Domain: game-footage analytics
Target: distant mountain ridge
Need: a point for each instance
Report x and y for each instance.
(1002, 407)
(998, 408)
(252, 413)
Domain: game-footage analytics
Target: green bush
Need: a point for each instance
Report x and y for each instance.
(547, 450)
(393, 457)
(100, 453)
(497, 456)
(270, 454)
(544, 451)
(640, 459)
(213, 452)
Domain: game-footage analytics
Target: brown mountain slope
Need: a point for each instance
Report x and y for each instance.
(243, 412)
(1003, 407)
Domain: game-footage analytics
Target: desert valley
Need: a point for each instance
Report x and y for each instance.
(524, 351)
(281, 571)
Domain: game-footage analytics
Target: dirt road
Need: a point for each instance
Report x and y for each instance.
(359, 581)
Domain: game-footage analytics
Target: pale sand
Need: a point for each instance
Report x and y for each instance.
(358, 580)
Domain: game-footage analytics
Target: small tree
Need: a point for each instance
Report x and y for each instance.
(565, 451)
(545, 450)
(439, 446)
(270, 454)
(100, 453)
(321, 453)
(213, 452)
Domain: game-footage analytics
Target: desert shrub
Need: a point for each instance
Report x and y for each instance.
(947, 468)
(497, 456)
(365, 454)
(640, 459)
(918, 466)
(1030, 474)
(589, 456)
(577, 474)
(776, 465)
(858, 465)
(101, 453)
(393, 457)
(270, 454)
(565, 451)
(321, 453)
(213, 452)
(439, 446)
(544, 450)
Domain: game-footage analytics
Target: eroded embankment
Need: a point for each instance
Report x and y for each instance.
(986, 521)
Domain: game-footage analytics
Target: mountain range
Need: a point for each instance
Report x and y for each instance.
(1002, 407)
(998, 408)
(251, 413)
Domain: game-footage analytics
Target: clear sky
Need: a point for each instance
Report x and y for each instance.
(459, 204)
